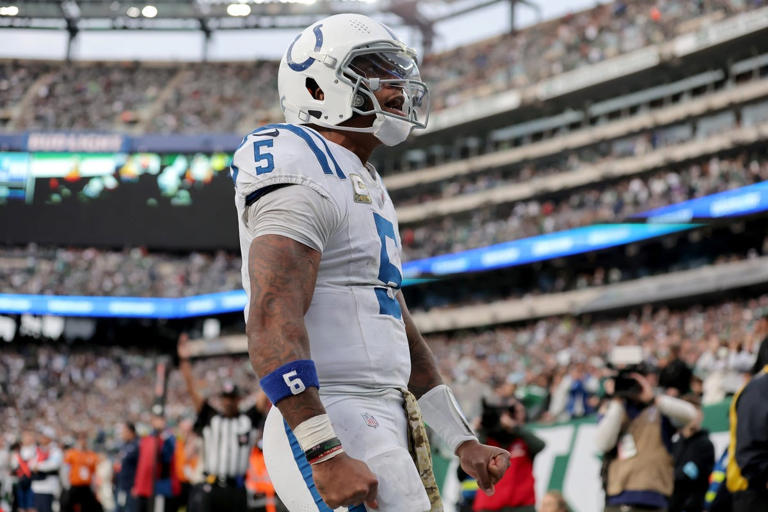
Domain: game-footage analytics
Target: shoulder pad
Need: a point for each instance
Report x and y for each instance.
(283, 153)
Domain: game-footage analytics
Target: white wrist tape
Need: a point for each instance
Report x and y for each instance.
(442, 414)
(315, 430)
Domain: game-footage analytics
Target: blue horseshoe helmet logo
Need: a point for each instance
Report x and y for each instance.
(301, 66)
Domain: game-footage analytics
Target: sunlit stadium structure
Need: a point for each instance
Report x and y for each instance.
(592, 180)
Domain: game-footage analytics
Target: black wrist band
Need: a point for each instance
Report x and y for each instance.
(321, 449)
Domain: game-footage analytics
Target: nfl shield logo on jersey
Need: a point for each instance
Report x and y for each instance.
(370, 420)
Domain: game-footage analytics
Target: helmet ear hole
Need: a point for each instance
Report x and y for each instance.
(314, 89)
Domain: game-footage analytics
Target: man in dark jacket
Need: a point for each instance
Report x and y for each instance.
(747, 472)
(694, 457)
(126, 474)
(675, 376)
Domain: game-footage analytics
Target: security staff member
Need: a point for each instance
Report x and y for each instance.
(747, 471)
(228, 438)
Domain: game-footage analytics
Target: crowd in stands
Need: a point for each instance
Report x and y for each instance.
(86, 405)
(550, 279)
(15, 81)
(557, 366)
(86, 97)
(131, 272)
(219, 97)
(238, 90)
(605, 202)
(528, 56)
(137, 273)
(74, 387)
(589, 156)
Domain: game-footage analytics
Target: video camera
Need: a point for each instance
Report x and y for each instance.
(629, 360)
(491, 414)
(625, 385)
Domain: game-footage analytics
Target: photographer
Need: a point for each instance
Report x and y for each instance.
(635, 435)
(502, 426)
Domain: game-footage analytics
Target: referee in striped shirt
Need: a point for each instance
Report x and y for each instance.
(228, 438)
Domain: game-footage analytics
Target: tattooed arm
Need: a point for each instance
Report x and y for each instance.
(424, 373)
(283, 274)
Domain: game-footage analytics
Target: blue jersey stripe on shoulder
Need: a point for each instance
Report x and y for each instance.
(306, 469)
(234, 173)
(316, 135)
(256, 132)
(322, 160)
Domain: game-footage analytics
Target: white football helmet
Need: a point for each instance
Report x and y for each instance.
(349, 56)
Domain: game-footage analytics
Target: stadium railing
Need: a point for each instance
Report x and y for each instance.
(615, 168)
(584, 137)
(647, 58)
(675, 285)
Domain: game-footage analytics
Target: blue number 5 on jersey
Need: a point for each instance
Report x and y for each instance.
(389, 274)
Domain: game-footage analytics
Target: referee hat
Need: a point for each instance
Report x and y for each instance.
(230, 390)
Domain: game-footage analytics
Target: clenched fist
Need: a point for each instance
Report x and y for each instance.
(344, 481)
(486, 464)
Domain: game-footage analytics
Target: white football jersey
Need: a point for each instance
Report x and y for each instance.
(356, 331)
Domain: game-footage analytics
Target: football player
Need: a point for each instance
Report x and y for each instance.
(328, 330)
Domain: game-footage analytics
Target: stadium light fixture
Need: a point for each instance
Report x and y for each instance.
(9, 10)
(133, 12)
(149, 11)
(238, 9)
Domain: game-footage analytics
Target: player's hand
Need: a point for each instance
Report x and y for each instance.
(344, 481)
(182, 348)
(646, 394)
(486, 464)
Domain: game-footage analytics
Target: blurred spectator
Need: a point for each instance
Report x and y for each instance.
(541, 348)
(528, 56)
(45, 466)
(81, 463)
(553, 501)
(747, 472)
(694, 457)
(128, 459)
(21, 461)
(607, 201)
(675, 376)
(635, 436)
(503, 426)
(131, 272)
(103, 96)
(581, 386)
(216, 97)
(5, 472)
(261, 492)
(187, 458)
(156, 485)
